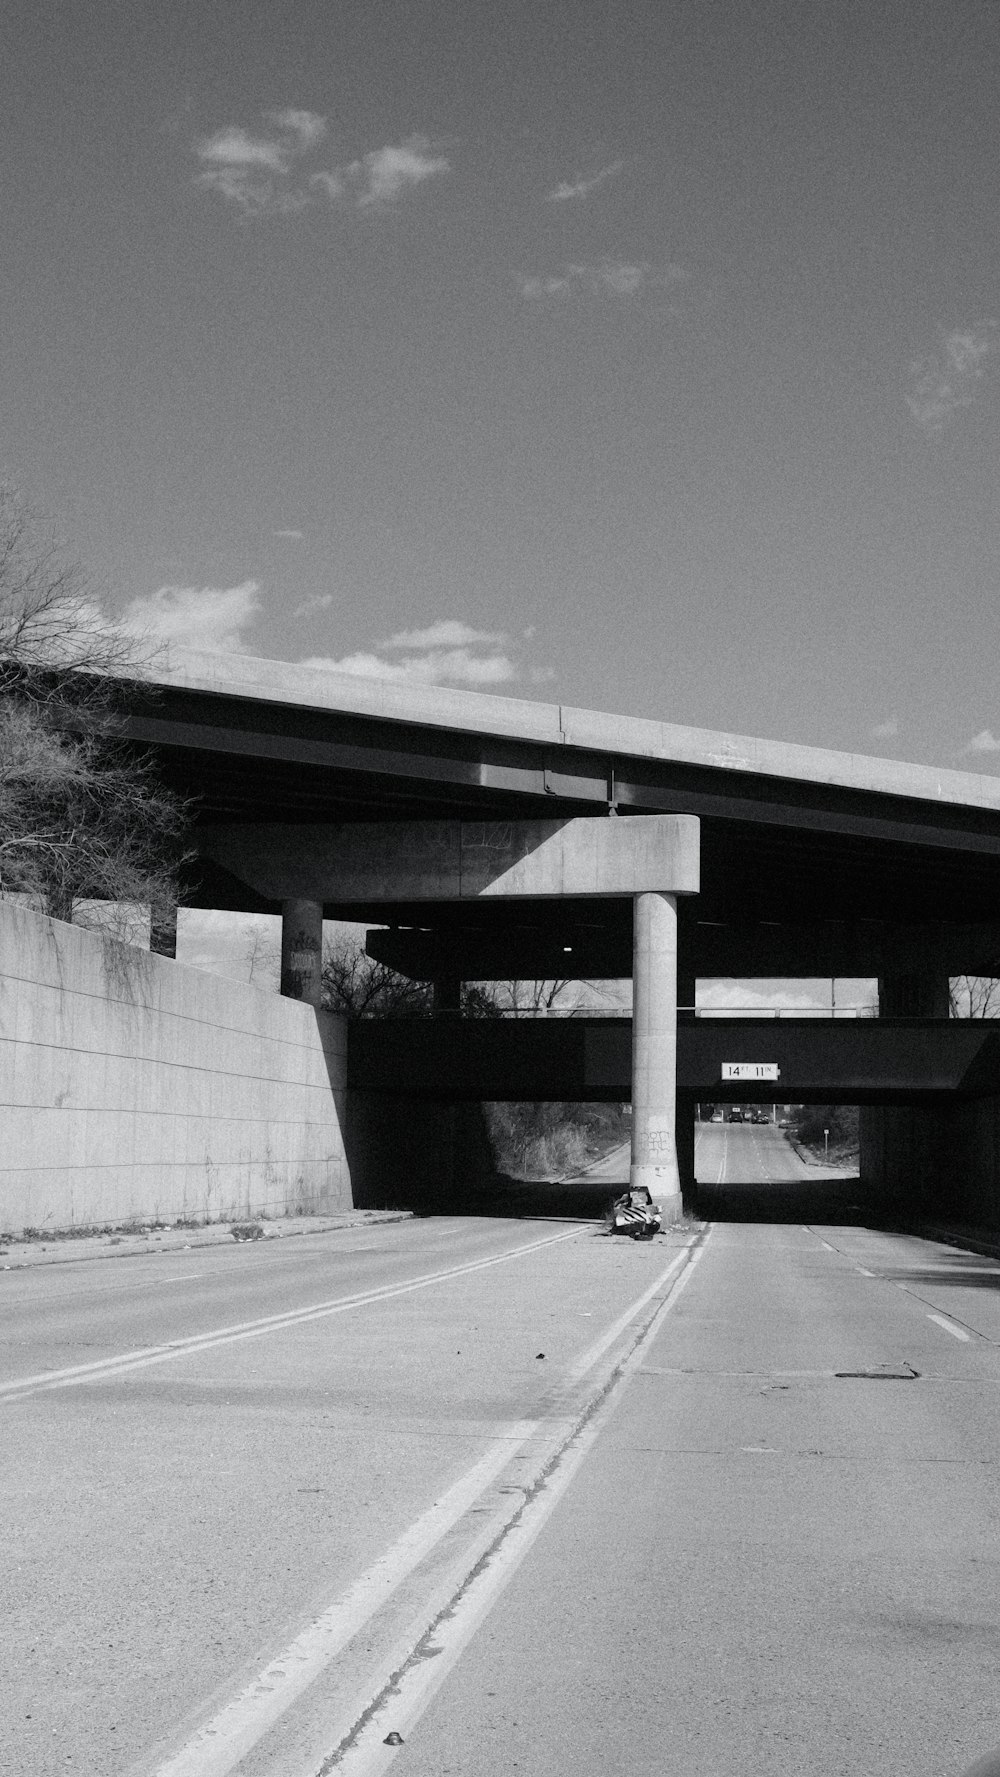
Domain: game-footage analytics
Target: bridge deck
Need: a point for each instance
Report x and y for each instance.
(849, 1061)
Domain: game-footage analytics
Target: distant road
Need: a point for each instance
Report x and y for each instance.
(752, 1153)
(749, 1172)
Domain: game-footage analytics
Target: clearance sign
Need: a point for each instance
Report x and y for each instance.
(750, 1070)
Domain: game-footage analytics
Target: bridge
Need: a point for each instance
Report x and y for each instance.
(313, 790)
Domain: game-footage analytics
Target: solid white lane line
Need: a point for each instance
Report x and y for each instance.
(143, 1357)
(405, 1695)
(596, 1351)
(950, 1327)
(216, 1748)
(219, 1745)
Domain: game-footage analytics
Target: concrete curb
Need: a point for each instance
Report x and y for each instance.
(18, 1255)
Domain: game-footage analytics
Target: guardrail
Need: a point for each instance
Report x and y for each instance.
(701, 1014)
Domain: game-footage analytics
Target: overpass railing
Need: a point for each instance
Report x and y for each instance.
(762, 1012)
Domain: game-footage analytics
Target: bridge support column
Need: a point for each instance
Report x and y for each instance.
(446, 992)
(302, 951)
(686, 1109)
(685, 1138)
(914, 993)
(654, 1050)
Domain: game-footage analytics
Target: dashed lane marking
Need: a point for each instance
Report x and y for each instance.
(950, 1327)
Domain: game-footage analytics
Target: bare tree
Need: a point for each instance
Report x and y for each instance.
(975, 996)
(82, 816)
(263, 958)
(354, 983)
(535, 998)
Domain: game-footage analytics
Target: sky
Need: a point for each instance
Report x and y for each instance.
(642, 355)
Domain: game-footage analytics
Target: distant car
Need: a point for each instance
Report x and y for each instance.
(736, 1115)
(760, 1117)
(634, 1213)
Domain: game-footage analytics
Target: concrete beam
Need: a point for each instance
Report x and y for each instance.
(737, 952)
(239, 677)
(848, 1061)
(386, 862)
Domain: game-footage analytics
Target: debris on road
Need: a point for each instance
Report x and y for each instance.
(634, 1213)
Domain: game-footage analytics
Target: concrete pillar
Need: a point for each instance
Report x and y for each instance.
(654, 1050)
(686, 1108)
(302, 951)
(446, 993)
(686, 1131)
(163, 933)
(914, 993)
(687, 988)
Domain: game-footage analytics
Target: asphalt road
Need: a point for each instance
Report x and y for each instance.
(202, 1450)
(261, 1505)
(763, 1564)
(752, 1153)
(751, 1172)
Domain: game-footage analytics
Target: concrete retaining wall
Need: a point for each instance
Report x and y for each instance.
(131, 1087)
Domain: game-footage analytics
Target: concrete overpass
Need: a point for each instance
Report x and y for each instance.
(589, 1060)
(811, 862)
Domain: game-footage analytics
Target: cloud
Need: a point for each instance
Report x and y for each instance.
(234, 148)
(888, 729)
(254, 172)
(211, 618)
(770, 994)
(387, 172)
(983, 742)
(250, 171)
(610, 277)
(307, 127)
(566, 192)
(331, 184)
(946, 381)
(448, 633)
(251, 196)
(383, 175)
(535, 287)
(438, 666)
(320, 601)
(448, 652)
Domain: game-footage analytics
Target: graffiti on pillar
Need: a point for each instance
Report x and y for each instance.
(302, 958)
(655, 1147)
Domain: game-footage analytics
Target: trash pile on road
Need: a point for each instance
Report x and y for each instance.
(635, 1214)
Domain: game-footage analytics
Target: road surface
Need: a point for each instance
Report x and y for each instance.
(751, 1172)
(742, 1515)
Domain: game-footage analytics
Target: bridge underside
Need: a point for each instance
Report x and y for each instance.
(879, 1061)
(775, 851)
(812, 864)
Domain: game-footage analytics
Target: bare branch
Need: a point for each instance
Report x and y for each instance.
(82, 816)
